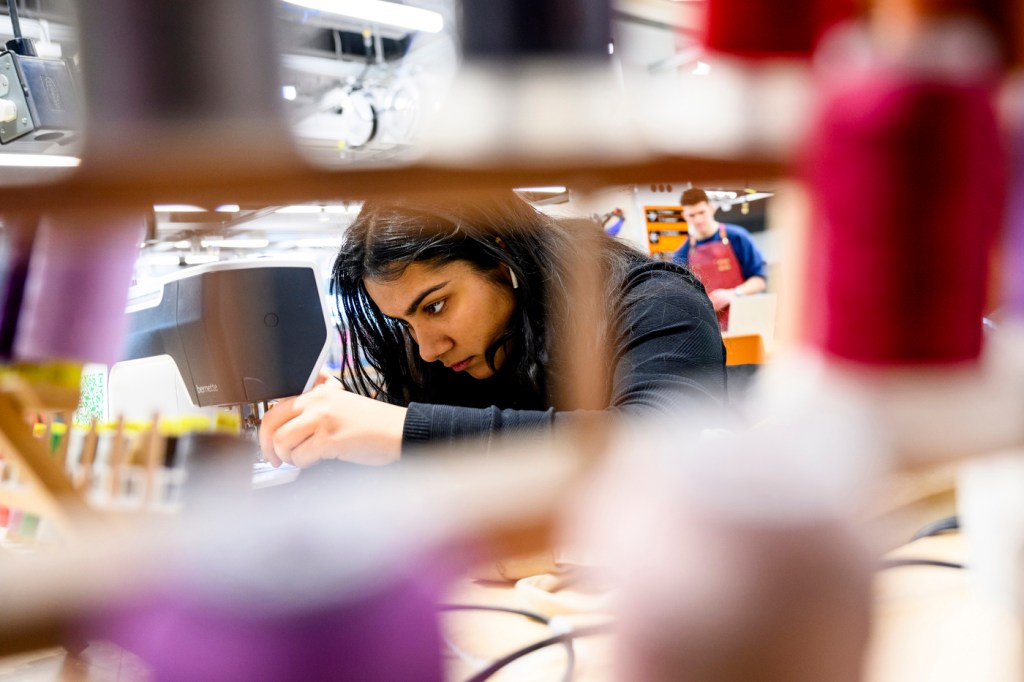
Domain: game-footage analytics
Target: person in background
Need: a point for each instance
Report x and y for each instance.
(723, 256)
(455, 310)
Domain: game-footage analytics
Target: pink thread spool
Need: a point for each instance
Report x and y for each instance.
(79, 274)
(905, 172)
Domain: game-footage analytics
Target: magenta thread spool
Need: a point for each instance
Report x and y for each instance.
(1013, 254)
(385, 632)
(906, 178)
(19, 232)
(79, 274)
(760, 30)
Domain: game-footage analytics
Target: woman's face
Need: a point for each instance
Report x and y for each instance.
(454, 312)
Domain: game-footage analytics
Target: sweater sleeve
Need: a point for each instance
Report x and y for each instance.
(668, 353)
(445, 424)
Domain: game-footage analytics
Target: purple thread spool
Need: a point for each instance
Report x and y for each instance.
(79, 274)
(385, 632)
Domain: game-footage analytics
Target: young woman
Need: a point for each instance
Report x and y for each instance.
(454, 312)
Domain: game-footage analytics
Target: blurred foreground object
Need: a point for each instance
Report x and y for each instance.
(907, 181)
(735, 556)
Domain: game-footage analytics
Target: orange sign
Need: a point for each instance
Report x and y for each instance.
(666, 230)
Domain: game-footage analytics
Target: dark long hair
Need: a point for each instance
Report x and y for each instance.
(488, 232)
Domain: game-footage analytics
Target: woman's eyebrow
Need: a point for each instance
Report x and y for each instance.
(423, 294)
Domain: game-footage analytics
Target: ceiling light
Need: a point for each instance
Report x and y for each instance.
(228, 208)
(350, 209)
(183, 244)
(541, 190)
(177, 208)
(235, 243)
(299, 208)
(39, 160)
(378, 12)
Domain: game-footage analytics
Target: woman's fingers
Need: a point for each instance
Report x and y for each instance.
(273, 419)
(290, 436)
(330, 423)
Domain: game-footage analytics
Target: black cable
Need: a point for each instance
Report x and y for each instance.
(537, 617)
(898, 563)
(570, 651)
(12, 10)
(936, 527)
(18, 44)
(565, 638)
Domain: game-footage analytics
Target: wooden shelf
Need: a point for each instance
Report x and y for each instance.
(207, 180)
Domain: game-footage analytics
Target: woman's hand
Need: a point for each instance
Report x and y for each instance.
(329, 422)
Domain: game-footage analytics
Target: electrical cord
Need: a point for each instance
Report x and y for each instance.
(898, 563)
(936, 527)
(570, 651)
(12, 10)
(565, 638)
(536, 617)
(19, 44)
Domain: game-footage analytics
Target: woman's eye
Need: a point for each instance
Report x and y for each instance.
(434, 308)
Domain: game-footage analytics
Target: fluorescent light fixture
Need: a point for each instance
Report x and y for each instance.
(39, 161)
(177, 208)
(350, 209)
(228, 208)
(235, 243)
(300, 208)
(378, 12)
(183, 244)
(721, 194)
(289, 92)
(542, 190)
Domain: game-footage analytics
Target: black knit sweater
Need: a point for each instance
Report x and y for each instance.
(668, 356)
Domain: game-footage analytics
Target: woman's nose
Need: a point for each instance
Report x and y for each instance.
(433, 345)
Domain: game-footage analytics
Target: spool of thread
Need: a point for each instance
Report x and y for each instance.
(761, 30)
(19, 232)
(79, 274)
(196, 82)
(1013, 243)
(182, 632)
(906, 176)
(509, 30)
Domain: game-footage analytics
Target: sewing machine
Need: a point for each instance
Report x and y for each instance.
(232, 334)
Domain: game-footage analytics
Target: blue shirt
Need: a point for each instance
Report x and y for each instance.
(750, 259)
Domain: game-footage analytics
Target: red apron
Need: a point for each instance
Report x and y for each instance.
(716, 266)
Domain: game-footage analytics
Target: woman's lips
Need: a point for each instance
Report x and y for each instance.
(461, 365)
